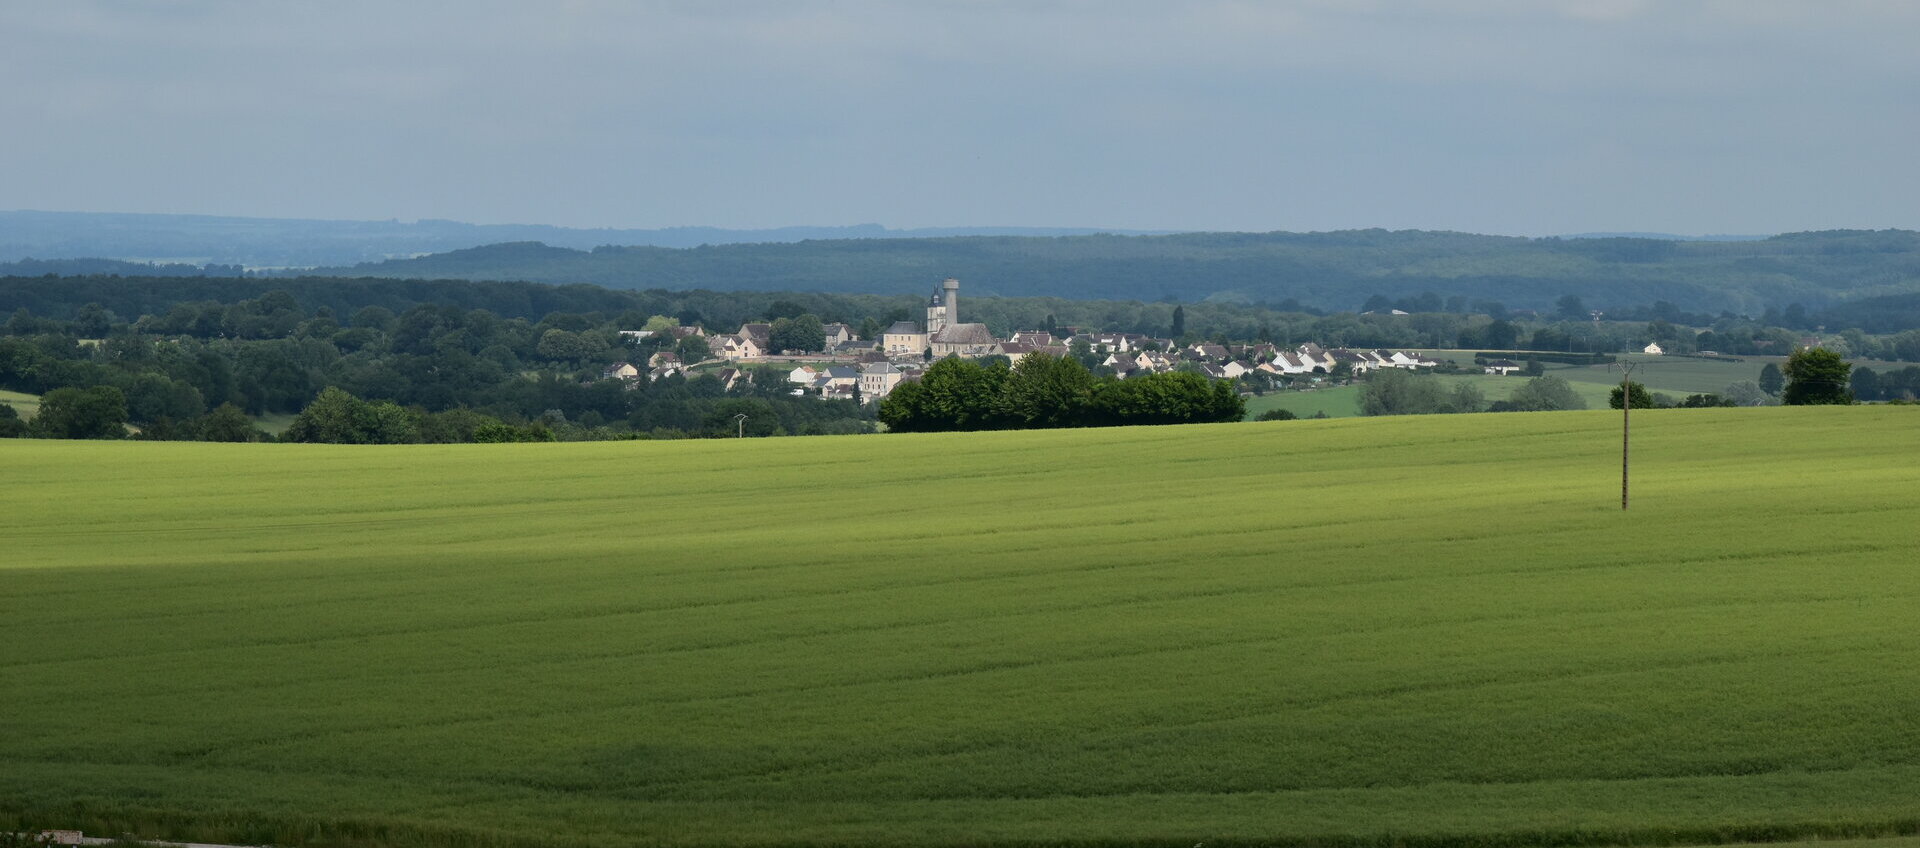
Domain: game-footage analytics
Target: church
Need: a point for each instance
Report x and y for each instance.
(944, 335)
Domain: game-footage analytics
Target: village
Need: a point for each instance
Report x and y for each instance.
(852, 368)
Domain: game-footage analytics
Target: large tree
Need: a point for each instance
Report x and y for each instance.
(1393, 391)
(1642, 399)
(98, 412)
(1816, 375)
(803, 333)
(1047, 391)
(1772, 380)
(1545, 394)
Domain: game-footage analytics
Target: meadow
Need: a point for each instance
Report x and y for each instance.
(25, 404)
(1674, 375)
(1433, 631)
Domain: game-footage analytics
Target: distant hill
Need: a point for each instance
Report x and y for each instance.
(290, 242)
(1333, 270)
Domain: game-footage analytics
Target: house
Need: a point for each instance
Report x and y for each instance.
(1355, 362)
(1016, 351)
(735, 347)
(1121, 363)
(1032, 338)
(621, 371)
(1293, 363)
(852, 347)
(802, 376)
(761, 334)
(878, 379)
(656, 374)
(665, 357)
(1213, 372)
(730, 377)
(904, 338)
(1208, 352)
(1652, 349)
(837, 334)
(1153, 362)
(683, 332)
(1234, 368)
(1503, 367)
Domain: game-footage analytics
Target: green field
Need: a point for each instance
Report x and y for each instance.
(25, 404)
(1432, 631)
(1674, 375)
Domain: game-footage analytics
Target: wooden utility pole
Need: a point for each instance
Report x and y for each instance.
(1626, 422)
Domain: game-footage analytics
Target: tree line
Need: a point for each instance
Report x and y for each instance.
(1044, 391)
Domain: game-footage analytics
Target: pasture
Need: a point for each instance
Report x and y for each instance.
(25, 404)
(1434, 631)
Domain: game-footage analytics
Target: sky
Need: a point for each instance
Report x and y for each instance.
(1522, 117)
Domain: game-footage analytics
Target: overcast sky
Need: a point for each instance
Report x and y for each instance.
(1525, 117)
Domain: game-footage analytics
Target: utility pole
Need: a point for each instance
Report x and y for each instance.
(741, 420)
(1626, 422)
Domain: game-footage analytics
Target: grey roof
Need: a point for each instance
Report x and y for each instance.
(975, 334)
(901, 327)
(843, 372)
(880, 368)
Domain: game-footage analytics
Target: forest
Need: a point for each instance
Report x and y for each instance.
(1328, 271)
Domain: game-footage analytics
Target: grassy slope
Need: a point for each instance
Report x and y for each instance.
(1438, 628)
(25, 404)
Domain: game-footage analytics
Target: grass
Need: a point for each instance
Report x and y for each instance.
(25, 404)
(1437, 631)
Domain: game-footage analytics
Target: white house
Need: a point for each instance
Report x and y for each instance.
(1652, 349)
(1502, 367)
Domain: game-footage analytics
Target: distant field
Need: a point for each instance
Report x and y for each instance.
(1435, 631)
(1673, 375)
(25, 404)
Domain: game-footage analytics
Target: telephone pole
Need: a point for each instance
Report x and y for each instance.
(1626, 424)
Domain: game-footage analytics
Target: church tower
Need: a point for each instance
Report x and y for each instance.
(943, 307)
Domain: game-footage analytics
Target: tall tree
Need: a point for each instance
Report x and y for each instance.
(1771, 380)
(1047, 391)
(1816, 375)
(1179, 322)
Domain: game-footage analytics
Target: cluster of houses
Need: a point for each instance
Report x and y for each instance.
(869, 369)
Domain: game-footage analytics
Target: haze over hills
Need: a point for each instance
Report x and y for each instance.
(1326, 270)
(1337, 270)
(294, 242)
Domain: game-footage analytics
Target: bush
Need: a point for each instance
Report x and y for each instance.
(1277, 415)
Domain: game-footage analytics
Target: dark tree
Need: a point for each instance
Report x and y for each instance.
(226, 423)
(693, 349)
(1816, 375)
(1572, 308)
(1642, 399)
(803, 333)
(99, 412)
(1866, 384)
(1179, 322)
(1277, 415)
(1502, 335)
(11, 427)
(1771, 380)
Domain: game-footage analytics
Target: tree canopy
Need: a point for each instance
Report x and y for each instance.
(1816, 375)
